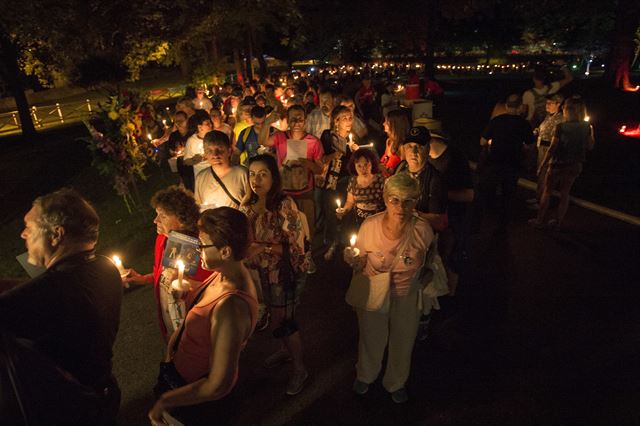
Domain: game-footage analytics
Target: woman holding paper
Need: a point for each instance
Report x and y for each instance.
(279, 256)
(394, 241)
(176, 210)
(299, 156)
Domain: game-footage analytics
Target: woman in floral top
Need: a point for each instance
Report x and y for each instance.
(364, 192)
(280, 232)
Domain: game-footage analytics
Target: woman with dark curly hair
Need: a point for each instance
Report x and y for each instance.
(364, 192)
(176, 210)
(278, 254)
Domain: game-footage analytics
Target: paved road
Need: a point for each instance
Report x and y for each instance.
(546, 331)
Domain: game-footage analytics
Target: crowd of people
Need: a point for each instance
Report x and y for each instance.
(266, 174)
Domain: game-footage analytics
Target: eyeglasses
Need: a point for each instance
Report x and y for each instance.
(405, 203)
(205, 246)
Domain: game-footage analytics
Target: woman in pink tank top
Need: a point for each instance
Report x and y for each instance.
(222, 318)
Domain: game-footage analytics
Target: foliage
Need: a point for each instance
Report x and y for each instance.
(142, 53)
(120, 150)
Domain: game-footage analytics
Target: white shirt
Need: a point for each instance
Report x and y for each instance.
(317, 122)
(193, 147)
(209, 194)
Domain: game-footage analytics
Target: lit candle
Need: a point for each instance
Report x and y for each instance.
(149, 136)
(350, 137)
(353, 240)
(587, 118)
(371, 145)
(233, 111)
(118, 263)
(180, 265)
(338, 202)
(201, 104)
(164, 122)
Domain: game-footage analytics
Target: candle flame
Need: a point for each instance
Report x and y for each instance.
(353, 240)
(117, 260)
(180, 264)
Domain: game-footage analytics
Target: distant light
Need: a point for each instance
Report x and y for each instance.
(312, 69)
(574, 67)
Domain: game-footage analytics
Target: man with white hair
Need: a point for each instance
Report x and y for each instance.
(63, 323)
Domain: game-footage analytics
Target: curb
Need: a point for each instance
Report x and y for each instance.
(606, 211)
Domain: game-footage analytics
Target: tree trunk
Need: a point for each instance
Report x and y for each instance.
(627, 19)
(12, 75)
(238, 65)
(432, 18)
(264, 70)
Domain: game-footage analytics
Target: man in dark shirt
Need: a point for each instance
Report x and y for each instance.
(69, 315)
(454, 168)
(502, 143)
(432, 204)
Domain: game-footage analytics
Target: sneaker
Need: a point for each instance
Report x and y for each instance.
(276, 359)
(263, 318)
(360, 388)
(532, 201)
(400, 396)
(296, 382)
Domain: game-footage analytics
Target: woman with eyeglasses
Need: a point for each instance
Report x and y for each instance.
(394, 241)
(204, 353)
(279, 255)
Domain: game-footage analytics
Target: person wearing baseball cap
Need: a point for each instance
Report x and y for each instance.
(545, 132)
(432, 203)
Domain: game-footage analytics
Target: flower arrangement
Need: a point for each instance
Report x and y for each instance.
(117, 144)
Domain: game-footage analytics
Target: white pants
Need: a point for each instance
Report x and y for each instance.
(397, 330)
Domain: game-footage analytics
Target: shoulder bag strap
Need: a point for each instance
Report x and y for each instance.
(222, 185)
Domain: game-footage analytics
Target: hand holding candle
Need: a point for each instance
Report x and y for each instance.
(352, 244)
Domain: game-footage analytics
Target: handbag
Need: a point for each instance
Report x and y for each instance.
(371, 293)
(168, 376)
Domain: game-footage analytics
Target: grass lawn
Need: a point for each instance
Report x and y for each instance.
(63, 161)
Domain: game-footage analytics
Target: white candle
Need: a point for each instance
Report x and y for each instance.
(180, 265)
(350, 137)
(338, 202)
(353, 240)
(164, 122)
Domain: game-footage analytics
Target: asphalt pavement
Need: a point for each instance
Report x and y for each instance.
(545, 330)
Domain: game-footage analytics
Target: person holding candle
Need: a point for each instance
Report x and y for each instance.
(300, 186)
(60, 327)
(194, 148)
(396, 126)
(279, 255)
(201, 101)
(338, 146)
(396, 241)
(204, 354)
(365, 187)
(571, 140)
(176, 210)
